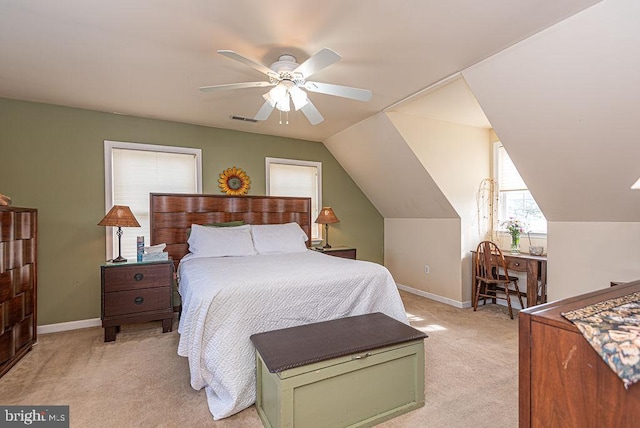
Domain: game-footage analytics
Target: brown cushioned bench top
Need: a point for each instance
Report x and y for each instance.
(298, 346)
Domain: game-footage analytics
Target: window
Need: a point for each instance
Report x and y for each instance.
(132, 171)
(514, 199)
(288, 177)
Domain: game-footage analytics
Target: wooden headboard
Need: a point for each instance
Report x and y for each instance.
(172, 215)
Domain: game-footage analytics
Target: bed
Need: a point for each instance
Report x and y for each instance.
(230, 291)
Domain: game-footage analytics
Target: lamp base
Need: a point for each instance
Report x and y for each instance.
(119, 259)
(326, 237)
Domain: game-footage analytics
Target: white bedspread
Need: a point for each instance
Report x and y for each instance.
(226, 300)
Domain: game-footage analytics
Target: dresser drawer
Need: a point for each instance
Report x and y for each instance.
(136, 277)
(516, 265)
(137, 301)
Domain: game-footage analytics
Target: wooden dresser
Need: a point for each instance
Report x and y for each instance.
(18, 278)
(563, 381)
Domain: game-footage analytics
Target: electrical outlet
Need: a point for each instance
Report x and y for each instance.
(426, 268)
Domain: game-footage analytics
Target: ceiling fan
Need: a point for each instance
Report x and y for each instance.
(288, 78)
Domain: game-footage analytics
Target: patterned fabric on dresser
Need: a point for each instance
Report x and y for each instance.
(612, 328)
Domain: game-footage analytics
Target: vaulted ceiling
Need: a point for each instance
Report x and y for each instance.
(557, 80)
(564, 102)
(149, 57)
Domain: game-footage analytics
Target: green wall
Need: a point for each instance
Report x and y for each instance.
(52, 159)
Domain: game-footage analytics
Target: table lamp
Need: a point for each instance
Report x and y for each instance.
(120, 216)
(326, 217)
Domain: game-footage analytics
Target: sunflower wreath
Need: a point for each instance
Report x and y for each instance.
(234, 182)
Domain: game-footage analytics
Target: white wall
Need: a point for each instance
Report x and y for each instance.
(564, 102)
(565, 105)
(422, 175)
(388, 172)
(587, 256)
(410, 244)
(458, 157)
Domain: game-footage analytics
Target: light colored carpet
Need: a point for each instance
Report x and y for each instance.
(140, 381)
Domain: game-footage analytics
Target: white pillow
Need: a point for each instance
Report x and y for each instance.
(278, 238)
(220, 241)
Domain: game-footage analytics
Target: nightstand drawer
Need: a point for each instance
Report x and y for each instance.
(137, 276)
(137, 301)
(349, 253)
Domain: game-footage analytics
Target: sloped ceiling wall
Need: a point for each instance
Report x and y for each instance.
(386, 169)
(566, 105)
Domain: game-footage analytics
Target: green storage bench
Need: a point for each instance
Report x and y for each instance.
(350, 372)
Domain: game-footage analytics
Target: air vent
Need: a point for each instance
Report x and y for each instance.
(245, 119)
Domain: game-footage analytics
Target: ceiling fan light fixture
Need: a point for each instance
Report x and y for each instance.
(276, 95)
(283, 104)
(298, 96)
(290, 85)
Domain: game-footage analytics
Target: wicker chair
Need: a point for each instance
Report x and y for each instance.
(490, 283)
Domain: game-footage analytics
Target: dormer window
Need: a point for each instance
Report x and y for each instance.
(514, 198)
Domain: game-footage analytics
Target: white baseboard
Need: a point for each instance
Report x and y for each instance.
(435, 297)
(71, 325)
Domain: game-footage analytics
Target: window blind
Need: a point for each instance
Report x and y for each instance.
(508, 176)
(296, 180)
(135, 174)
(514, 198)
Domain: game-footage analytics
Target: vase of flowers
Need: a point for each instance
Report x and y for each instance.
(515, 227)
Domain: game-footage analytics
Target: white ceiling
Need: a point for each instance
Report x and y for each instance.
(565, 105)
(450, 101)
(148, 57)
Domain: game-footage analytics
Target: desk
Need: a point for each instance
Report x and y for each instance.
(534, 266)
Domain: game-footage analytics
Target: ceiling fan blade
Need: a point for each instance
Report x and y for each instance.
(317, 62)
(243, 85)
(264, 112)
(246, 61)
(312, 113)
(339, 91)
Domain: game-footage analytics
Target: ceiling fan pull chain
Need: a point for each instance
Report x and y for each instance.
(280, 123)
(287, 122)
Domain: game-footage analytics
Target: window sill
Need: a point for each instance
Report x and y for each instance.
(537, 235)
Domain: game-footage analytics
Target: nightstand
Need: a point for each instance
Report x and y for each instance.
(136, 292)
(344, 252)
